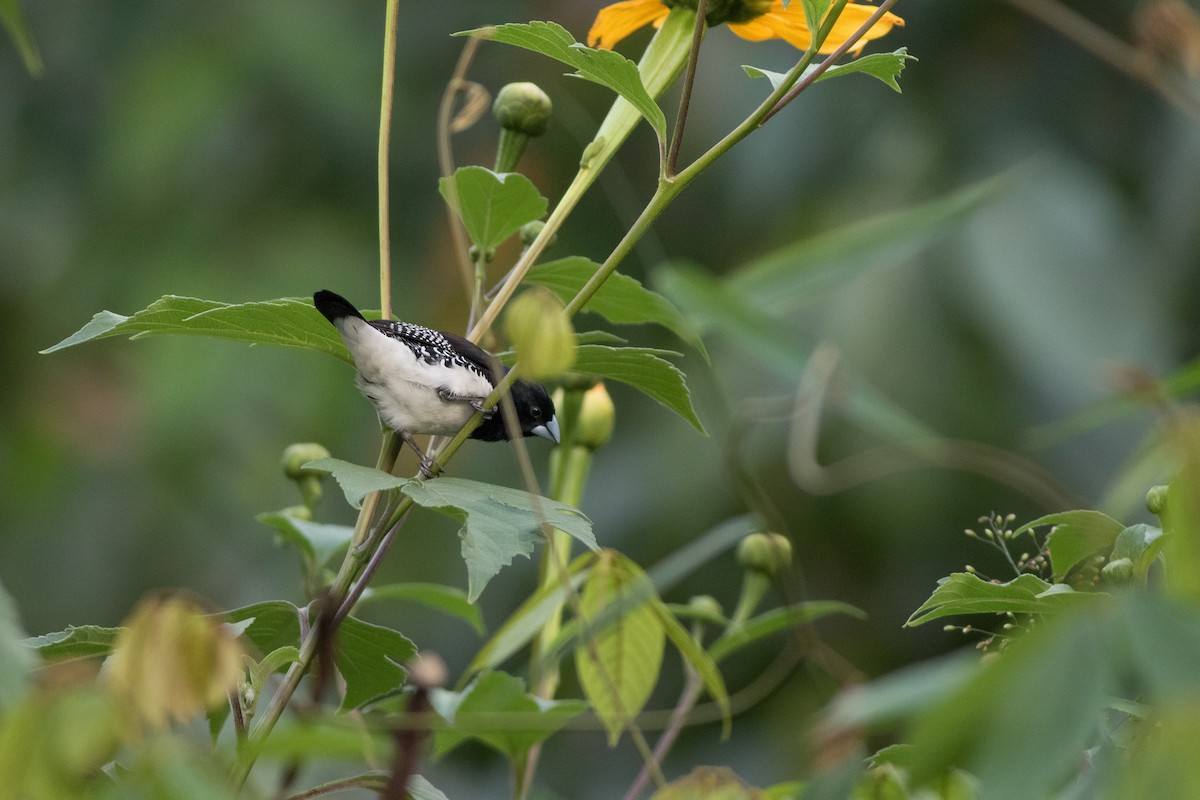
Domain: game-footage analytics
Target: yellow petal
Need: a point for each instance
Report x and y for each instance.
(853, 18)
(788, 24)
(618, 20)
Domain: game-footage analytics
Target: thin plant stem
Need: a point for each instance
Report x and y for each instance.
(239, 717)
(360, 583)
(1110, 49)
(687, 700)
(446, 159)
(832, 58)
(351, 564)
(385, 137)
(685, 98)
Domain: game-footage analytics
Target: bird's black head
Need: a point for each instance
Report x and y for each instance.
(535, 412)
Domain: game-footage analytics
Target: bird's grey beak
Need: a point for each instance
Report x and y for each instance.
(548, 431)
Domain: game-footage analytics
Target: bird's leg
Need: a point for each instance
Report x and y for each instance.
(428, 468)
(475, 402)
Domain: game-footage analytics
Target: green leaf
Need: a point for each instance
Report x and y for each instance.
(619, 659)
(884, 66)
(323, 736)
(271, 625)
(965, 593)
(1141, 544)
(775, 620)
(76, 641)
(14, 23)
(1161, 639)
(277, 661)
(1038, 705)
(318, 541)
(815, 12)
(713, 303)
(492, 206)
(371, 660)
(496, 710)
(587, 337)
(421, 789)
(799, 274)
(605, 67)
(17, 661)
(287, 322)
(1076, 536)
(620, 299)
(357, 481)
(644, 369)
(697, 658)
(449, 599)
(895, 697)
(776, 78)
(525, 623)
(498, 522)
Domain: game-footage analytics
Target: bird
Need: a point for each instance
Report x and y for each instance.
(423, 381)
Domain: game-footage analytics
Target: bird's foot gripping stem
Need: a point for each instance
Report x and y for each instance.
(429, 468)
(475, 402)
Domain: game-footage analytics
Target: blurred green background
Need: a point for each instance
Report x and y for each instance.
(226, 150)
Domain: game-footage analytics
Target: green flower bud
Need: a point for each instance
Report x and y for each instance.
(297, 455)
(1156, 500)
(1119, 572)
(596, 418)
(308, 481)
(522, 107)
(707, 605)
(767, 553)
(531, 230)
(523, 110)
(541, 334)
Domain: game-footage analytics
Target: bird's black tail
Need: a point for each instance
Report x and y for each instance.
(334, 306)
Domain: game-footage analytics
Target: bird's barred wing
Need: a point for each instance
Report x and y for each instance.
(434, 347)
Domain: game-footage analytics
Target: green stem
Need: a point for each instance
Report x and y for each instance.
(353, 563)
(575, 463)
(685, 97)
(509, 150)
(446, 158)
(385, 137)
(481, 261)
(660, 65)
(754, 587)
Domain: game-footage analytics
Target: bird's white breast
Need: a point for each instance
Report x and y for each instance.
(404, 388)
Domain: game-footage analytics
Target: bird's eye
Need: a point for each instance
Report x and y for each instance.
(536, 412)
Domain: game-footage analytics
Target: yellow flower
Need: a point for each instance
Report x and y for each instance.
(616, 21)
